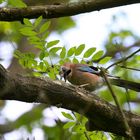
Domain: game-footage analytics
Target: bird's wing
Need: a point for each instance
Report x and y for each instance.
(88, 69)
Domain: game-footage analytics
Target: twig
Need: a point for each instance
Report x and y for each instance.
(124, 59)
(127, 92)
(112, 52)
(129, 68)
(86, 135)
(128, 129)
(137, 100)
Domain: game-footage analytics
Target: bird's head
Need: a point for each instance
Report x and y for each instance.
(65, 70)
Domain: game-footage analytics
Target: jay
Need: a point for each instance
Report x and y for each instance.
(90, 78)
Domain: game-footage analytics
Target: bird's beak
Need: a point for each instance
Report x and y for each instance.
(64, 72)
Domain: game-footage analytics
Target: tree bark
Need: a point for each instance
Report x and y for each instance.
(60, 10)
(103, 115)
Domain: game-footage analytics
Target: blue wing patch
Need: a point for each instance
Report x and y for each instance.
(88, 69)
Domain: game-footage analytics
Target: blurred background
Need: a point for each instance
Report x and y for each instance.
(114, 30)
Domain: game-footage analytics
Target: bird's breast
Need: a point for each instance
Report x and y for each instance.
(84, 78)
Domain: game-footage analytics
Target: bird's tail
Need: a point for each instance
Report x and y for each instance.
(125, 84)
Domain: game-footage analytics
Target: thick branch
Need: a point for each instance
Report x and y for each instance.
(103, 115)
(55, 11)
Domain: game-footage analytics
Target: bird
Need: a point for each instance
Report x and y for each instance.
(90, 77)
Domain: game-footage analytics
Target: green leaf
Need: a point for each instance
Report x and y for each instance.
(46, 63)
(1, 1)
(51, 74)
(45, 35)
(63, 53)
(39, 46)
(83, 137)
(37, 74)
(55, 49)
(71, 51)
(75, 60)
(44, 27)
(79, 128)
(137, 57)
(52, 43)
(83, 62)
(68, 125)
(17, 54)
(22, 62)
(105, 60)
(27, 31)
(17, 3)
(67, 60)
(30, 55)
(34, 39)
(67, 115)
(97, 55)
(98, 136)
(37, 21)
(42, 55)
(27, 22)
(46, 54)
(64, 23)
(80, 49)
(34, 62)
(41, 65)
(78, 116)
(89, 52)
(61, 62)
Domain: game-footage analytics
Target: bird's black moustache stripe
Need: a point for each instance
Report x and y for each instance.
(66, 73)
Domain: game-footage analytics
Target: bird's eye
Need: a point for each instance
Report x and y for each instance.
(63, 69)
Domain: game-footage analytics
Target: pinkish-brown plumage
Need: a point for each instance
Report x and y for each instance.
(77, 77)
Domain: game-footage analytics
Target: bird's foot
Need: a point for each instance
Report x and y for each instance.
(83, 85)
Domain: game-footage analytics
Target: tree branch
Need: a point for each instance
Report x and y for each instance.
(62, 10)
(129, 131)
(103, 115)
(123, 59)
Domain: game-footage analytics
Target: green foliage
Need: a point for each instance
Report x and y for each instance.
(52, 43)
(69, 125)
(63, 53)
(71, 51)
(77, 125)
(68, 116)
(27, 120)
(37, 33)
(89, 52)
(17, 3)
(79, 49)
(105, 60)
(27, 60)
(97, 55)
(61, 26)
(44, 27)
(37, 21)
(1, 1)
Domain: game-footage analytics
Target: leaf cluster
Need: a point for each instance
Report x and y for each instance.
(76, 124)
(37, 34)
